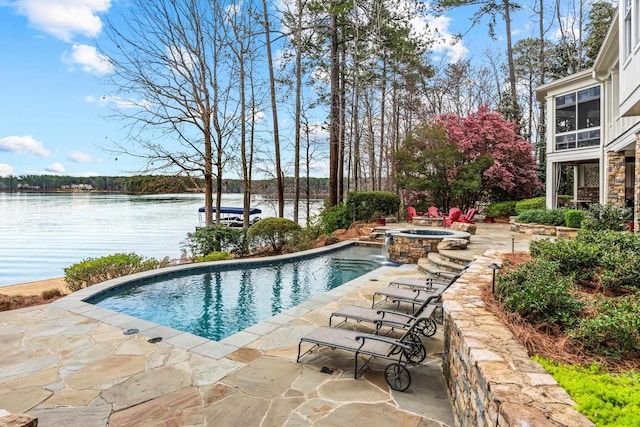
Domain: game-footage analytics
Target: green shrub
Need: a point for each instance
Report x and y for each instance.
(273, 231)
(501, 209)
(573, 218)
(578, 256)
(303, 239)
(214, 238)
(368, 205)
(95, 270)
(531, 216)
(607, 217)
(542, 216)
(335, 218)
(214, 256)
(539, 293)
(608, 400)
(609, 256)
(527, 204)
(619, 257)
(614, 331)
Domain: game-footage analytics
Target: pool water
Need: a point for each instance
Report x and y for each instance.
(217, 302)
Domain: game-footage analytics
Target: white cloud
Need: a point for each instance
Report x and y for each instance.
(6, 170)
(444, 42)
(105, 101)
(81, 157)
(55, 168)
(23, 144)
(89, 60)
(64, 18)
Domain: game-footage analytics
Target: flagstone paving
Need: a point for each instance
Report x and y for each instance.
(66, 367)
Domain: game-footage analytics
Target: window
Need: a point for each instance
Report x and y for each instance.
(578, 119)
(627, 29)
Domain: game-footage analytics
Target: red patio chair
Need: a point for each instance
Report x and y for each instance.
(468, 217)
(434, 212)
(411, 212)
(454, 215)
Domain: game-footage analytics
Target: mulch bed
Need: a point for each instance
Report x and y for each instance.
(544, 339)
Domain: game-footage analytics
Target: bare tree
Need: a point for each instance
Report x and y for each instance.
(274, 111)
(168, 55)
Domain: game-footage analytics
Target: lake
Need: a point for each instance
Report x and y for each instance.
(42, 233)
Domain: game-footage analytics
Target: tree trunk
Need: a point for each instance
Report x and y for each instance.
(343, 125)
(274, 111)
(334, 113)
(296, 158)
(512, 68)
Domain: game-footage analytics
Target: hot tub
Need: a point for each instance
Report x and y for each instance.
(408, 246)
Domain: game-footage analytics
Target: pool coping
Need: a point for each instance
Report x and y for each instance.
(76, 303)
(451, 234)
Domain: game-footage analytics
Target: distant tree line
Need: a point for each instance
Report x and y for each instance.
(151, 184)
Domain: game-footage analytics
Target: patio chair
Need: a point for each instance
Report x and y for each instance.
(411, 212)
(411, 296)
(468, 217)
(390, 318)
(433, 212)
(403, 351)
(453, 216)
(428, 283)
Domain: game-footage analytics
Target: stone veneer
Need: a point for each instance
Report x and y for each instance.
(491, 379)
(408, 250)
(425, 221)
(616, 178)
(545, 230)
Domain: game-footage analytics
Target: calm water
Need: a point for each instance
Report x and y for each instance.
(218, 302)
(40, 234)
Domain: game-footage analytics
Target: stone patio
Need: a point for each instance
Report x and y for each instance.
(71, 365)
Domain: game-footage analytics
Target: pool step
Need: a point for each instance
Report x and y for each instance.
(353, 264)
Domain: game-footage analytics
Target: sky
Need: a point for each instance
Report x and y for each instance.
(52, 116)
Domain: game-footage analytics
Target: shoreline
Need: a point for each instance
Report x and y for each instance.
(35, 288)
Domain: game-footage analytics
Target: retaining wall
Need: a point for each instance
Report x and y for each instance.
(491, 380)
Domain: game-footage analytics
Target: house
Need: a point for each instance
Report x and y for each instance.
(593, 123)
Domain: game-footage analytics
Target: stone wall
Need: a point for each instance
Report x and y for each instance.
(490, 377)
(545, 230)
(408, 250)
(426, 221)
(616, 178)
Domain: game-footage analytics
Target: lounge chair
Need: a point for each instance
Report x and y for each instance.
(406, 350)
(428, 283)
(414, 297)
(390, 318)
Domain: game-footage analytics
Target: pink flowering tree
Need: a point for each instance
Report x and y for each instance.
(512, 175)
(457, 161)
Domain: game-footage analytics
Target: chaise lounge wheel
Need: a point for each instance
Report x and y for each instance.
(397, 376)
(416, 352)
(438, 315)
(426, 327)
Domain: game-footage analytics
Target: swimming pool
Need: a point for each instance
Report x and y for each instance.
(217, 301)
